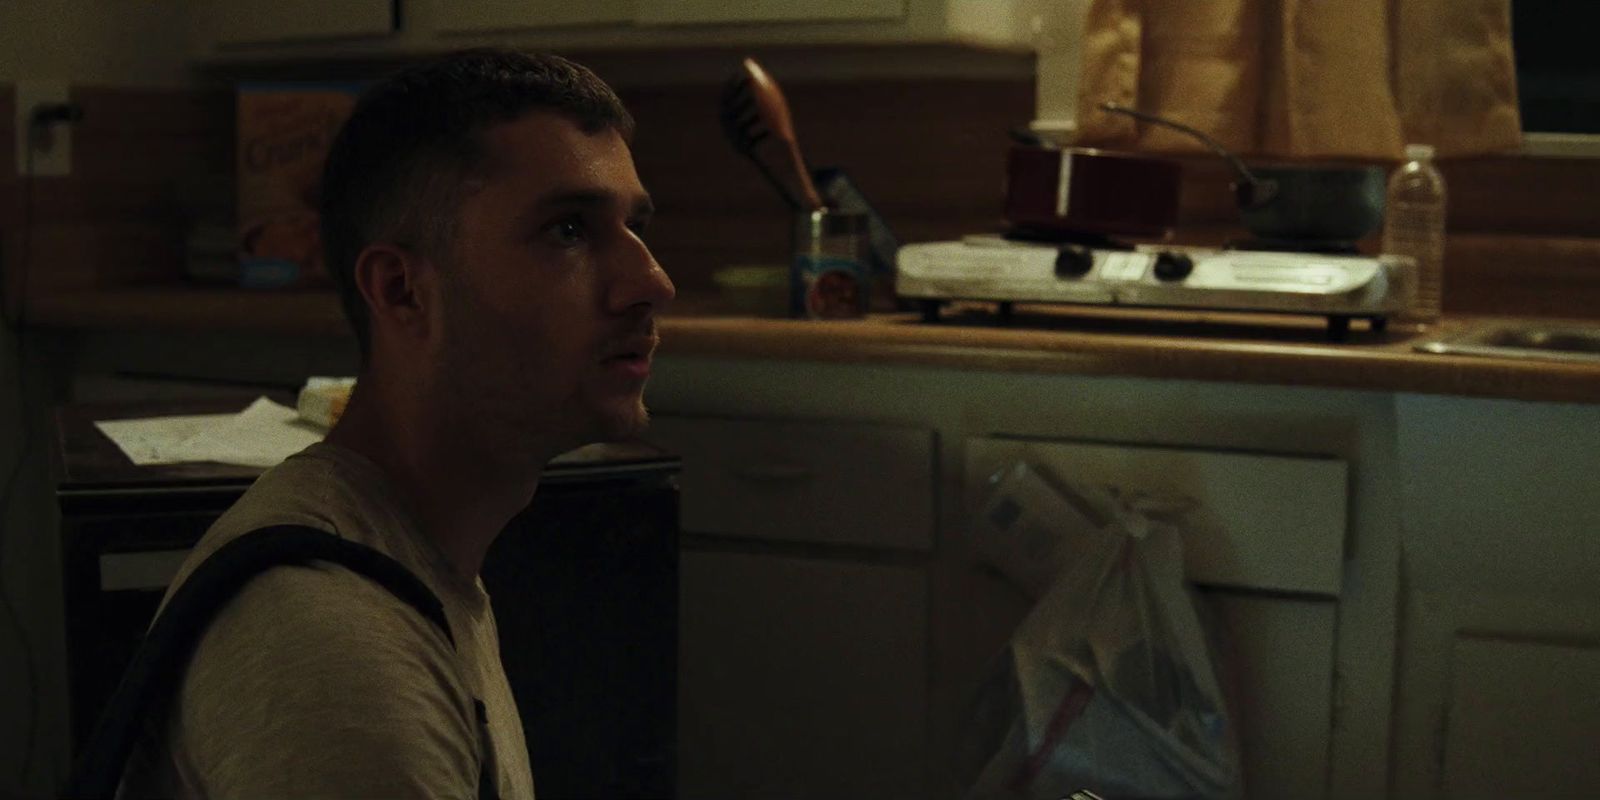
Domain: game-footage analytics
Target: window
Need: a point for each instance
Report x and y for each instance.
(1558, 65)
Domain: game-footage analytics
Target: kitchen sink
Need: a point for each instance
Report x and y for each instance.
(1555, 342)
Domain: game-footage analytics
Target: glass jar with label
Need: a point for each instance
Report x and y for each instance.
(829, 275)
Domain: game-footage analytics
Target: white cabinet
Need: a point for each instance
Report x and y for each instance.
(1500, 634)
(260, 31)
(488, 16)
(1256, 521)
(743, 22)
(1297, 545)
(268, 22)
(801, 678)
(1265, 537)
(803, 652)
(1498, 696)
(820, 483)
(1281, 655)
(1503, 690)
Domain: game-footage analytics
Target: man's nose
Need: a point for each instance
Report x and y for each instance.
(639, 280)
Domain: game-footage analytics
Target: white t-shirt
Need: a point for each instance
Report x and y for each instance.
(317, 682)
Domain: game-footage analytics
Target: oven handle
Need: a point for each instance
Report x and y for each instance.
(143, 570)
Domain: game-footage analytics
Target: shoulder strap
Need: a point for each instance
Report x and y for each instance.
(151, 679)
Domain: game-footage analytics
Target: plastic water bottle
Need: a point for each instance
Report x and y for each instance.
(1414, 226)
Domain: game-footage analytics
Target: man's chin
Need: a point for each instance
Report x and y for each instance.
(633, 425)
(619, 424)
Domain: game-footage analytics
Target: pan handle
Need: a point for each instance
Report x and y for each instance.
(1253, 193)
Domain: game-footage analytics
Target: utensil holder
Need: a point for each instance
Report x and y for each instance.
(830, 274)
(842, 194)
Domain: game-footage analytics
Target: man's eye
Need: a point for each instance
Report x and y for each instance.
(566, 231)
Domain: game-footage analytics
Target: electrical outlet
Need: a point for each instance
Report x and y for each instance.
(52, 144)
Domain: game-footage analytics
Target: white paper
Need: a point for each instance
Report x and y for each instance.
(157, 440)
(260, 436)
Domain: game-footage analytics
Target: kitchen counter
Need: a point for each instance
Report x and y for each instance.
(1240, 348)
(1268, 349)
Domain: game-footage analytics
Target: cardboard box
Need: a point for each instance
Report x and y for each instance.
(283, 135)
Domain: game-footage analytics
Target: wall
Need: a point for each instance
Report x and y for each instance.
(93, 41)
(89, 44)
(928, 153)
(136, 151)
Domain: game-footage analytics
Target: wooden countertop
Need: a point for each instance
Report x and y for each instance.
(1081, 340)
(1087, 341)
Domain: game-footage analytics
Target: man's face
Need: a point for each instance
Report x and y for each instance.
(549, 299)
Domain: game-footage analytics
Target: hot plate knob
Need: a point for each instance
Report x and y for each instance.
(1074, 262)
(1173, 266)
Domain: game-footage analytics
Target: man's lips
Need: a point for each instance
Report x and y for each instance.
(639, 347)
(632, 357)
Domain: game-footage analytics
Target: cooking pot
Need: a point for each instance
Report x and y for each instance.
(1306, 202)
(1322, 203)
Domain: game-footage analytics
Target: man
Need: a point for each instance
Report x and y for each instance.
(481, 217)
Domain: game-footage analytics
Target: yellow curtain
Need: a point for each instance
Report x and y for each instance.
(1302, 79)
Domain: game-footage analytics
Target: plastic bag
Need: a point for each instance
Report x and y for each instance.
(1110, 683)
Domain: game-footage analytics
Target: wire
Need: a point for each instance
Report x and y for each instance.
(19, 329)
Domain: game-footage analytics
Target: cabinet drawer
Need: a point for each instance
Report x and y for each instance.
(1522, 719)
(801, 678)
(814, 482)
(1259, 521)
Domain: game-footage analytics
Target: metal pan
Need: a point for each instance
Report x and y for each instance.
(1313, 202)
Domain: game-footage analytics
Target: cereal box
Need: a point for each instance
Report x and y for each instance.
(283, 135)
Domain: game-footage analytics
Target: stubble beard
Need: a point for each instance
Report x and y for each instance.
(504, 408)
(607, 419)
(496, 407)
(635, 423)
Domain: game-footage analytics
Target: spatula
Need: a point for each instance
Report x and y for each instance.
(756, 119)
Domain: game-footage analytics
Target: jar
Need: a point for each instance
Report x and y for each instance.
(829, 277)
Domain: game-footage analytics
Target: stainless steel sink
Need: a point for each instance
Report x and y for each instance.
(1554, 342)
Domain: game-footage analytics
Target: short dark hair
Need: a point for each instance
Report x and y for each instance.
(398, 168)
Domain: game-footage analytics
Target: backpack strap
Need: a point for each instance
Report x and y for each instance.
(150, 681)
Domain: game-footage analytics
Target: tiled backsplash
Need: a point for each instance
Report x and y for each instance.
(928, 152)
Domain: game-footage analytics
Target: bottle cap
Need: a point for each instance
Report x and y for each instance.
(1419, 152)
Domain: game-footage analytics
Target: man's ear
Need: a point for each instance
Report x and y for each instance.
(397, 285)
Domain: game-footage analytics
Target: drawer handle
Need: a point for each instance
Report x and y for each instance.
(777, 472)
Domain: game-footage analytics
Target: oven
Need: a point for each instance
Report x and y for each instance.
(584, 584)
